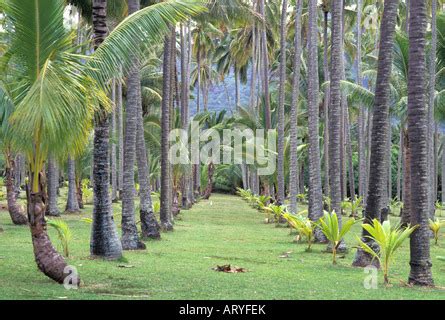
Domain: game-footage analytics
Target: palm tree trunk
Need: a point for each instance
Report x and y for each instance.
(166, 190)
(361, 117)
(443, 170)
(149, 225)
(208, 191)
(104, 239)
(335, 118)
(130, 238)
(52, 183)
(293, 177)
(282, 93)
(420, 260)
(405, 215)
(326, 104)
(48, 260)
(113, 130)
(72, 205)
(380, 127)
(431, 121)
(198, 65)
(265, 66)
(16, 211)
(315, 192)
(120, 131)
(399, 165)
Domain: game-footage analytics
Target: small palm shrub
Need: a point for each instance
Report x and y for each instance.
(156, 206)
(330, 228)
(87, 192)
(276, 211)
(352, 205)
(435, 227)
(389, 240)
(63, 233)
(262, 201)
(302, 225)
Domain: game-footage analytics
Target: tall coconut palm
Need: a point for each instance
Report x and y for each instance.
(335, 113)
(72, 203)
(104, 238)
(431, 121)
(361, 117)
(420, 260)
(380, 126)
(282, 93)
(293, 178)
(52, 185)
(166, 190)
(315, 192)
(130, 237)
(264, 64)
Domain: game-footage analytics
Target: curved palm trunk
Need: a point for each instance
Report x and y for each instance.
(380, 127)
(130, 237)
(52, 184)
(72, 204)
(48, 260)
(281, 120)
(149, 225)
(293, 178)
(16, 211)
(166, 190)
(104, 238)
(420, 260)
(315, 192)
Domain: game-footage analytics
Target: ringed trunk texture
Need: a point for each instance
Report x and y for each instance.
(315, 192)
(52, 184)
(166, 190)
(130, 236)
(377, 184)
(420, 260)
(72, 204)
(104, 238)
(16, 211)
(48, 260)
(293, 177)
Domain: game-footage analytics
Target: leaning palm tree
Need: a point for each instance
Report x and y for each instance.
(420, 260)
(57, 96)
(380, 127)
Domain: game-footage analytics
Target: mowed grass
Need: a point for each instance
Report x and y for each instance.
(223, 230)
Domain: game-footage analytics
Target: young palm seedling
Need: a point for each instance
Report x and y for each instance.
(303, 225)
(64, 234)
(330, 227)
(388, 239)
(435, 227)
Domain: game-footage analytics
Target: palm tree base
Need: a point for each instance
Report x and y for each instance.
(420, 274)
(150, 226)
(363, 259)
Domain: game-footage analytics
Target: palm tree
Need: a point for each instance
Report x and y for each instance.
(52, 184)
(282, 93)
(335, 106)
(293, 165)
(72, 203)
(420, 261)
(315, 192)
(380, 127)
(166, 190)
(130, 237)
(104, 238)
(265, 65)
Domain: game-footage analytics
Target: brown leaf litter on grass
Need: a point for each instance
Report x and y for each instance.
(227, 268)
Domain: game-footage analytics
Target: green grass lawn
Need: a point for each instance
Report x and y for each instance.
(223, 230)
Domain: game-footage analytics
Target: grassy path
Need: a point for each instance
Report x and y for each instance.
(221, 231)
